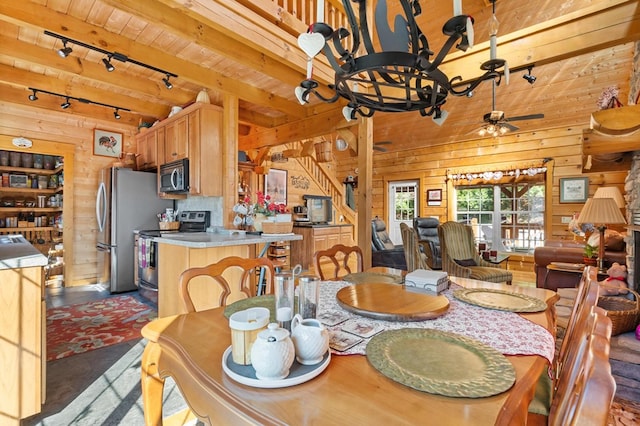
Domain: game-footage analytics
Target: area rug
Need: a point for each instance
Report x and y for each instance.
(84, 327)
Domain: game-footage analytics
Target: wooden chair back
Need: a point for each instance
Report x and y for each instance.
(342, 258)
(414, 257)
(245, 286)
(586, 299)
(586, 386)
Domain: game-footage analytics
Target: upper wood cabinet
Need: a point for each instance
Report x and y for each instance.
(194, 133)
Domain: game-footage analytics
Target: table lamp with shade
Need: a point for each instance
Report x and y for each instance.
(601, 212)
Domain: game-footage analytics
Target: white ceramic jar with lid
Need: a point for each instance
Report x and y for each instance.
(272, 353)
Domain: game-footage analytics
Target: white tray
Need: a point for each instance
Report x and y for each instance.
(298, 373)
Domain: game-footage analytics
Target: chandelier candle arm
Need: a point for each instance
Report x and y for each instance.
(457, 7)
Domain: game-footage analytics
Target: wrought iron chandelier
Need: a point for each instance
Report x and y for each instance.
(403, 76)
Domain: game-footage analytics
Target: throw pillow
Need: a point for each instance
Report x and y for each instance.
(613, 240)
(465, 262)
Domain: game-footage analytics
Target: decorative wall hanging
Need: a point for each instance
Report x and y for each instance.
(434, 197)
(275, 185)
(574, 190)
(107, 143)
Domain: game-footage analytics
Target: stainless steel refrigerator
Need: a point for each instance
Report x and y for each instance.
(127, 200)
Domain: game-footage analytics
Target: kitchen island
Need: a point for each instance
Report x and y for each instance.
(22, 329)
(183, 250)
(318, 237)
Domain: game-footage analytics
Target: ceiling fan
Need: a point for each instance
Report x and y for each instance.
(342, 144)
(497, 123)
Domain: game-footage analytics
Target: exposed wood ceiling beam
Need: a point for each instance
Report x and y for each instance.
(557, 39)
(42, 17)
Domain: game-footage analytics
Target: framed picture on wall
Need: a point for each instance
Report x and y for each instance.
(275, 185)
(574, 190)
(107, 143)
(434, 197)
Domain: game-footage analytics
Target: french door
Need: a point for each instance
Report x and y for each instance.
(403, 207)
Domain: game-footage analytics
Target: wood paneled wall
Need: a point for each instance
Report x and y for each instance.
(54, 126)
(430, 166)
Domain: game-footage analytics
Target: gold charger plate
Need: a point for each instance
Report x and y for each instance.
(440, 362)
(376, 277)
(500, 299)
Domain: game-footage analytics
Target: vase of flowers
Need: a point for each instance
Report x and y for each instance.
(250, 215)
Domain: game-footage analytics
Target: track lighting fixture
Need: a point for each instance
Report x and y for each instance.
(67, 101)
(530, 78)
(64, 52)
(167, 83)
(107, 63)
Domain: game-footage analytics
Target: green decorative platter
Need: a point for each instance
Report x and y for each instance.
(501, 300)
(372, 277)
(440, 362)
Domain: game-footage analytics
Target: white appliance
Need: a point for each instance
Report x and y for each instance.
(127, 200)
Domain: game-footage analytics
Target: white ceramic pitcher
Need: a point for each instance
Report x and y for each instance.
(310, 340)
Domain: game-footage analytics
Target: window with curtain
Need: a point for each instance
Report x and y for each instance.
(506, 216)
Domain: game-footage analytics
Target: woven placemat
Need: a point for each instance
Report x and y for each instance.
(441, 363)
(501, 300)
(372, 277)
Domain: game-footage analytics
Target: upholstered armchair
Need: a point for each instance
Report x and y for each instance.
(383, 251)
(426, 229)
(460, 256)
(415, 258)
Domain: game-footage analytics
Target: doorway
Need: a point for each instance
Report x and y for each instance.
(403, 205)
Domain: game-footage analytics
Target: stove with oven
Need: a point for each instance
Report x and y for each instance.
(147, 250)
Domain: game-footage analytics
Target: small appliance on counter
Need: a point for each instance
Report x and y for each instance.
(300, 214)
(147, 256)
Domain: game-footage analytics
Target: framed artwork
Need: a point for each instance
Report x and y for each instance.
(107, 143)
(275, 185)
(434, 197)
(574, 190)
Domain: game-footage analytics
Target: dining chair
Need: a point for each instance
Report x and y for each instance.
(415, 258)
(231, 275)
(460, 256)
(586, 386)
(342, 258)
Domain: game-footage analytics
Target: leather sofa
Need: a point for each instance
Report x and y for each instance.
(566, 252)
(383, 251)
(427, 230)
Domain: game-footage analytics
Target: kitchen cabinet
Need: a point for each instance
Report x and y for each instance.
(22, 331)
(147, 143)
(176, 139)
(318, 237)
(194, 133)
(44, 227)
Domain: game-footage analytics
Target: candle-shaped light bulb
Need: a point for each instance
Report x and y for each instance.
(493, 25)
(320, 11)
(457, 7)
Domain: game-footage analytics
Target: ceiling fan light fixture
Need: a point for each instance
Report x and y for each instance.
(341, 144)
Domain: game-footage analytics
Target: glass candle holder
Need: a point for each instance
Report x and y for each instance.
(284, 295)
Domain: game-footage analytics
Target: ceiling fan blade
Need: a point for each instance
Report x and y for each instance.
(525, 117)
(379, 148)
(511, 127)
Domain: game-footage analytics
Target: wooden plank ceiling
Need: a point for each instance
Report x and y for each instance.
(247, 48)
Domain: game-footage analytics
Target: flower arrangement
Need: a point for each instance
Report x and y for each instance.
(246, 210)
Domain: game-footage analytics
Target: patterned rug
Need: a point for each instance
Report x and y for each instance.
(84, 327)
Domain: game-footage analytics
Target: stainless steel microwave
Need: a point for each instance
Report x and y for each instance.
(174, 176)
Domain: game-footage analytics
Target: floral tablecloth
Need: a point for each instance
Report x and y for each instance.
(506, 332)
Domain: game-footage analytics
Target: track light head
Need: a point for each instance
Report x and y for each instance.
(66, 104)
(107, 64)
(33, 96)
(66, 50)
(167, 83)
(530, 78)
(116, 114)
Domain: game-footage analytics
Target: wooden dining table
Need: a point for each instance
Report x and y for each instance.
(189, 348)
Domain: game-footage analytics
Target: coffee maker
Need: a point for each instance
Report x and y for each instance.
(300, 214)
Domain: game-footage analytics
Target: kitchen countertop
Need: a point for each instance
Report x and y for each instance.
(210, 239)
(319, 225)
(17, 252)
